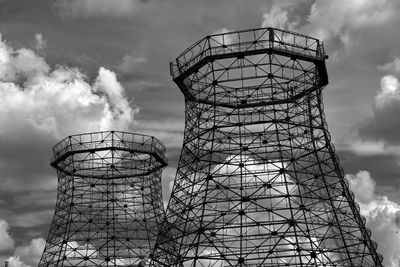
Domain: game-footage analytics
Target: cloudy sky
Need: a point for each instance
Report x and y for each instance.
(72, 66)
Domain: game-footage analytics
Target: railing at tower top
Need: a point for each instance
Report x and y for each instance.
(105, 140)
(248, 41)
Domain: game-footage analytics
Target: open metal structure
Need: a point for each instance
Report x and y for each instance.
(109, 204)
(258, 182)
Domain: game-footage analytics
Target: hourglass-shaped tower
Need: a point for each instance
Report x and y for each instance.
(258, 182)
(109, 204)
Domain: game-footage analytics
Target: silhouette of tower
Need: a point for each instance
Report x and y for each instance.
(258, 182)
(109, 204)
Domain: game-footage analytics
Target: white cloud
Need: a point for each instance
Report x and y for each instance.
(382, 214)
(106, 85)
(329, 19)
(19, 65)
(223, 37)
(16, 262)
(6, 241)
(40, 43)
(278, 17)
(393, 66)
(31, 253)
(366, 148)
(362, 186)
(40, 104)
(88, 8)
(389, 90)
(381, 128)
(130, 62)
(59, 101)
(390, 84)
(25, 255)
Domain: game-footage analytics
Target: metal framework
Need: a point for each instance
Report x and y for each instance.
(258, 182)
(109, 203)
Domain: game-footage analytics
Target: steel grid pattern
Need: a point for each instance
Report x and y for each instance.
(109, 204)
(258, 182)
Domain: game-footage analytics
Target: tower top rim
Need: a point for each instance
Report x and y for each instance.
(250, 41)
(108, 140)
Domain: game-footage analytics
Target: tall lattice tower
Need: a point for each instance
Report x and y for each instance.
(109, 204)
(258, 182)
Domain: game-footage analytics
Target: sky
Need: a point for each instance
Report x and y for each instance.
(75, 66)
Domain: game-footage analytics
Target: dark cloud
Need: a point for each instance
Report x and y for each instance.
(397, 219)
(383, 125)
(384, 168)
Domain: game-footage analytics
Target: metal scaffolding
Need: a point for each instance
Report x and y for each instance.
(109, 203)
(258, 182)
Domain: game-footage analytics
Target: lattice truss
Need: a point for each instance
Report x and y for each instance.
(258, 182)
(109, 204)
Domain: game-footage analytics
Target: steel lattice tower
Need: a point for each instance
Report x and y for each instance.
(258, 182)
(109, 204)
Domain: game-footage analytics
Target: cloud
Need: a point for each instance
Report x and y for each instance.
(50, 101)
(31, 253)
(40, 105)
(168, 131)
(30, 219)
(393, 66)
(40, 43)
(382, 214)
(16, 262)
(25, 255)
(278, 17)
(90, 8)
(38, 198)
(28, 255)
(223, 37)
(130, 62)
(391, 192)
(341, 22)
(382, 126)
(363, 186)
(6, 241)
(353, 34)
(18, 65)
(336, 19)
(389, 91)
(366, 148)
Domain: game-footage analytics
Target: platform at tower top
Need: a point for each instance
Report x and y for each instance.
(109, 141)
(247, 42)
(251, 68)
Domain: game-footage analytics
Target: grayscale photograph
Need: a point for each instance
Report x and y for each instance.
(199, 133)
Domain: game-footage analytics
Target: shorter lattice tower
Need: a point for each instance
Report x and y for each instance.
(109, 203)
